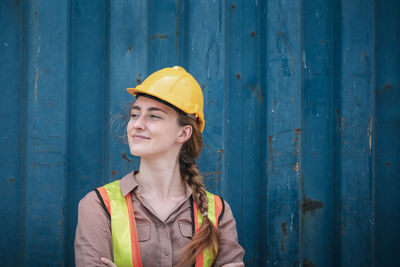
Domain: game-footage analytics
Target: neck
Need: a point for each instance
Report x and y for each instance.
(160, 177)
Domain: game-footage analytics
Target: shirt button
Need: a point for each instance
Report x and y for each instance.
(166, 252)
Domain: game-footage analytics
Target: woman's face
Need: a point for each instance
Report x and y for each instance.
(153, 129)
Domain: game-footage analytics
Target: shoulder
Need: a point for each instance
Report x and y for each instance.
(91, 211)
(89, 200)
(90, 204)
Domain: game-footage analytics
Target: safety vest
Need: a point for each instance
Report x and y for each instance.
(125, 239)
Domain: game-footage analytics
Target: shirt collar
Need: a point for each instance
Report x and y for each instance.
(128, 183)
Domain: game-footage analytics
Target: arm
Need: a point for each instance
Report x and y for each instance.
(93, 233)
(230, 253)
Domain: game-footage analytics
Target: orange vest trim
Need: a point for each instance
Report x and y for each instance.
(216, 209)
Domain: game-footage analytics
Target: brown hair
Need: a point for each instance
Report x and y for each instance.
(207, 235)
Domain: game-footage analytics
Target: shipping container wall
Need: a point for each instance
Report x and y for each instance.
(302, 109)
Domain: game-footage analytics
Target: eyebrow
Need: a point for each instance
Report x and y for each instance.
(150, 109)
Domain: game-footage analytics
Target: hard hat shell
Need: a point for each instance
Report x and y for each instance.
(178, 88)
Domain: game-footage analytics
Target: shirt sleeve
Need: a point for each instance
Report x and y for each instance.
(229, 250)
(93, 233)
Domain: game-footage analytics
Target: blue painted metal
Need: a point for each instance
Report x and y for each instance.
(302, 113)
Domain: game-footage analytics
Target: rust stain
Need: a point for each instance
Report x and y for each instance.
(233, 6)
(253, 34)
(388, 87)
(388, 163)
(285, 232)
(159, 36)
(296, 141)
(220, 151)
(270, 139)
(114, 172)
(125, 157)
(312, 205)
(138, 79)
(260, 96)
(252, 88)
(296, 167)
(238, 76)
(130, 49)
(12, 180)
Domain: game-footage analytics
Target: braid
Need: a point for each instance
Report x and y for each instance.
(191, 176)
(207, 235)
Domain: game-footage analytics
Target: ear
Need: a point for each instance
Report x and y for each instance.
(184, 134)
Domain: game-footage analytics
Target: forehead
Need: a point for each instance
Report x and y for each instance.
(145, 103)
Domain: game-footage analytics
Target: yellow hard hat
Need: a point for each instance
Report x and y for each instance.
(176, 87)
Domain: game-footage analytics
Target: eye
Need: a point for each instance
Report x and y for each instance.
(153, 116)
(134, 115)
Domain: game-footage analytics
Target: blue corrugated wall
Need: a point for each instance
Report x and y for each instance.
(302, 106)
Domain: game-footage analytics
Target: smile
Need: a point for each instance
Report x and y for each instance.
(139, 137)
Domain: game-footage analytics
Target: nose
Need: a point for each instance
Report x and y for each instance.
(138, 123)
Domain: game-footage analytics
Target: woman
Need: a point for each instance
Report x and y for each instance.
(160, 215)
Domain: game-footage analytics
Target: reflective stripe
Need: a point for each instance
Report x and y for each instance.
(211, 208)
(206, 258)
(125, 245)
(126, 249)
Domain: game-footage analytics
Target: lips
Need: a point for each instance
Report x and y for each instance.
(139, 137)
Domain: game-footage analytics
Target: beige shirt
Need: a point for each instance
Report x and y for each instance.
(161, 242)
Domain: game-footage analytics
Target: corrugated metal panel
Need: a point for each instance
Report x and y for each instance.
(302, 119)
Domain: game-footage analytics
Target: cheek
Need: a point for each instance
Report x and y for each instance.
(129, 127)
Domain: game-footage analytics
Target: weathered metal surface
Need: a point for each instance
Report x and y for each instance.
(302, 107)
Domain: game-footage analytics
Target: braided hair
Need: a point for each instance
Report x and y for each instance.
(207, 235)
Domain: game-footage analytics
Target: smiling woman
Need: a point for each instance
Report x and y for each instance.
(161, 214)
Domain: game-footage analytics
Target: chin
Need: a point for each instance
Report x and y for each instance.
(137, 152)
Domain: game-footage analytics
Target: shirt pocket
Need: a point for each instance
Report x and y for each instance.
(143, 231)
(185, 228)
